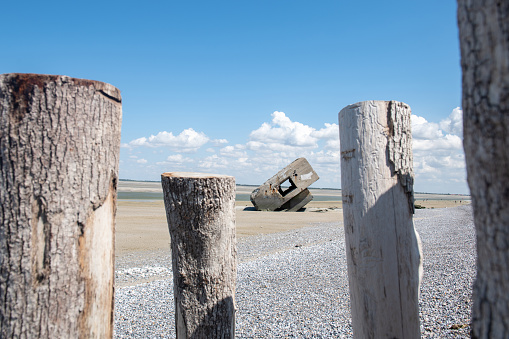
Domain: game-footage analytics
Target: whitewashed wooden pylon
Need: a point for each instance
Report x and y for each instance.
(383, 251)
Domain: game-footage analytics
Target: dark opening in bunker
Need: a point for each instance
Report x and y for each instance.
(285, 190)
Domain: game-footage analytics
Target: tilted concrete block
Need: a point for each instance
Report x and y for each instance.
(297, 202)
(274, 195)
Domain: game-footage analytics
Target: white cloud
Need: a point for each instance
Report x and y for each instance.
(331, 136)
(331, 131)
(449, 141)
(439, 160)
(218, 142)
(437, 148)
(141, 161)
(187, 141)
(256, 146)
(213, 162)
(178, 158)
(422, 129)
(326, 158)
(332, 144)
(283, 134)
(428, 136)
(454, 123)
(237, 151)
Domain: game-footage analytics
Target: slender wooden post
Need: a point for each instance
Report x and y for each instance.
(484, 42)
(383, 252)
(200, 209)
(59, 153)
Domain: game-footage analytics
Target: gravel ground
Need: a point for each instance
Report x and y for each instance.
(295, 285)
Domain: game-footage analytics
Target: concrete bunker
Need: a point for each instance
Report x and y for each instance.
(287, 190)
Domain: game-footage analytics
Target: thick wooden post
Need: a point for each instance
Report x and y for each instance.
(383, 251)
(484, 42)
(200, 209)
(59, 149)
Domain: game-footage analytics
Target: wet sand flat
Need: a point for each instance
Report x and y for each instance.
(141, 223)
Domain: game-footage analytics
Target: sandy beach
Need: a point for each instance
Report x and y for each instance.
(141, 225)
(293, 283)
(293, 261)
(141, 221)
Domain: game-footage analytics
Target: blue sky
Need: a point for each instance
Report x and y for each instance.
(245, 87)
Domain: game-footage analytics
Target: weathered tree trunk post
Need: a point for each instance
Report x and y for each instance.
(383, 249)
(59, 148)
(200, 209)
(484, 42)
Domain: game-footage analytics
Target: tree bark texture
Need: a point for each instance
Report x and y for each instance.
(59, 153)
(200, 209)
(484, 43)
(383, 249)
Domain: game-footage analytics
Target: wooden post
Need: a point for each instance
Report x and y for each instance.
(383, 252)
(59, 149)
(484, 44)
(200, 209)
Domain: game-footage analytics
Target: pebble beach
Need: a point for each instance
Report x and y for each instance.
(294, 284)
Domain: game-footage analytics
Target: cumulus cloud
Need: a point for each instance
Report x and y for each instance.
(187, 141)
(449, 141)
(178, 158)
(283, 134)
(326, 158)
(453, 124)
(218, 142)
(330, 131)
(438, 151)
(422, 129)
(428, 136)
(237, 151)
(176, 161)
(283, 131)
(213, 162)
(332, 144)
(331, 136)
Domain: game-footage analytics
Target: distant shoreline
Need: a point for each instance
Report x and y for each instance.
(131, 190)
(158, 183)
(142, 196)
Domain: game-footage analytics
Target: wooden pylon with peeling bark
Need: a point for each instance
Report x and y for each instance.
(383, 251)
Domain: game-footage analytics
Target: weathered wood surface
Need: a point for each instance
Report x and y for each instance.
(484, 43)
(200, 209)
(59, 153)
(270, 196)
(383, 252)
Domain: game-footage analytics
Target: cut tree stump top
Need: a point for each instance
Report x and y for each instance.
(193, 175)
(25, 82)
